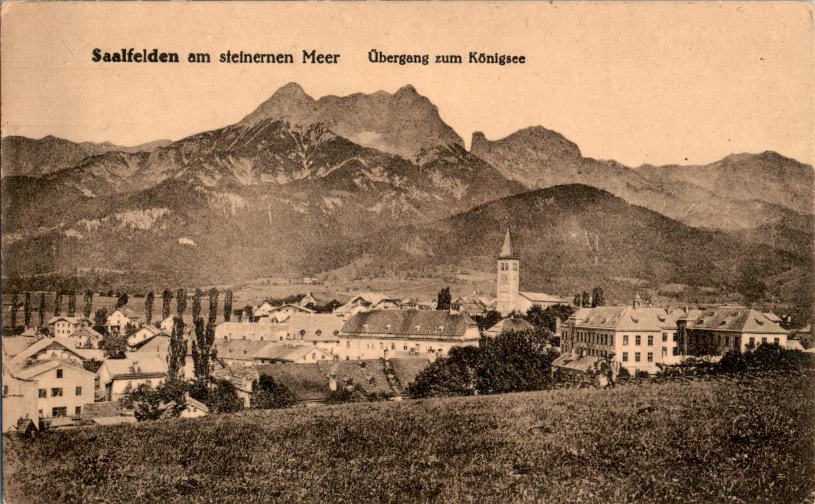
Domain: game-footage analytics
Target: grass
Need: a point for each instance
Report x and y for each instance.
(748, 441)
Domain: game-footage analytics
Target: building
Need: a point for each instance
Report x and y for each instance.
(118, 377)
(237, 352)
(19, 400)
(123, 317)
(86, 337)
(143, 334)
(508, 324)
(193, 408)
(376, 334)
(299, 354)
(715, 331)
(263, 330)
(63, 388)
(640, 338)
(320, 330)
(65, 326)
(509, 297)
(48, 349)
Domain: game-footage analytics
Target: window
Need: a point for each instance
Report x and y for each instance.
(752, 341)
(676, 351)
(56, 392)
(727, 340)
(514, 266)
(5, 390)
(764, 340)
(664, 337)
(78, 410)
(650, 357)
(775, 340)
(625, 339)
(43, 393)
(611, 340)
(636, 356)
(393, 346)
(56, 412)
(664, 351)
(79, 389)
(638, 340)
(625, 356)
(674, 336)
(650, 340)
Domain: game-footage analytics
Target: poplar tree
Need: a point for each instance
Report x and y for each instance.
(177, 350)
(71, 304)
(122, 300)
(196, 305)
(202, 348)
(181, 302)
(148, 307)
(88, 303)
(27, 309)
(166, 299)
(57, 304)
(228, 306)
(13, 314)
(42, 309)
(213, 305)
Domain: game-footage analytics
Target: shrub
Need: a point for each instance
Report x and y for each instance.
(268, 394)
(642, 374)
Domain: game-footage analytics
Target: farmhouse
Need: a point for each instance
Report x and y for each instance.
(65, 326)
(19, 400)
(140, 336)
(86, 337)
(375, 334)
(118, 377)
(123, 317)
(46, 349)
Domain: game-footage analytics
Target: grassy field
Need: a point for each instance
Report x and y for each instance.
(748, 442)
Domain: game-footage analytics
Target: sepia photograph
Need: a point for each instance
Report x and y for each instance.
(407, 252)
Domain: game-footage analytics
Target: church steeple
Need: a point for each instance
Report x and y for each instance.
(507, 251)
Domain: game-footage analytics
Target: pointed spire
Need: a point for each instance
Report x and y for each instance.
(507, 251)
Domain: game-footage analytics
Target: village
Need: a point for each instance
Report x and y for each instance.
(65, 375)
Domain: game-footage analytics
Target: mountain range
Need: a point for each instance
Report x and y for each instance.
(306, 186)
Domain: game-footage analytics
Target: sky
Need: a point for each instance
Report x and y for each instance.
(639, 82)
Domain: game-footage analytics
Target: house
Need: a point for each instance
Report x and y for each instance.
(158, 347)
(241, 377)
(65, 326)
(282, 313)
(63, 388)
(299, 354)
(363, 301)
(640, 338)
(118, 377)
(167, 324)
(47, 349)
(86, 337)
(309, 299)
(509, 297)
(387, 304)
(13, 345)
(123, 317)
(381, 333)
(263, 330)
(714, 331)
(237, 352)
(472, 306)
(508, 324)
(143, 334)
(19, 400)
(193, 408)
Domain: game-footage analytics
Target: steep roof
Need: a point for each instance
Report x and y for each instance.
(38, 369)
(238, 349)
(736, 318)
(507, 250)
(44, 343)
(127, 312)
(624, 318)
(509, 324)
(15, 344)
(542, 297)
(86, 332)
(283, 352)
(438, 324)
(73, 320)
(149, 367)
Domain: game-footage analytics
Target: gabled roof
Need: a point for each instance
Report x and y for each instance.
(624, 318)
(122, 369)
(16, 344)
(127, 312)
(438, 324)
(44, 343)
(510, 324)
(86, 332)
(72, 320)
(238, 349)
(38, 369)
(542, 297)
(196, 403)
(736, 318)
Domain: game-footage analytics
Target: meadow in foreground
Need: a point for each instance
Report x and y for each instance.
(745, 441)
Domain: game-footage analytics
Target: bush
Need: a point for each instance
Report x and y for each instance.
(268, 394)
(642, 374)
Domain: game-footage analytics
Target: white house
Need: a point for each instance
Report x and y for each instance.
(86, 337)
(65, 326)
(63, 388)
(120, 318)
(118, 377)
(143, 334)
(46, 349)
(19, 400)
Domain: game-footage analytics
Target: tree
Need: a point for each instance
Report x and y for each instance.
(536, 316)
(584, 300)
(27, 309)
(227, 306)
(196, 305)
(42, 309)
(166, 299)
(122, 300)
(444, 299)
(71, 303)
(88, 303)
(268, 394)
(223, 398)
(114, 343)
(167, 400)
(247, 311)
(597, 298)
(100, 320)
(177, 351)
(148, 307)
(181, 301)
(57, 304)
(213, 305)
(578, 300)
(13, 314)
(453, 375)
(202, 348)
(487, 320)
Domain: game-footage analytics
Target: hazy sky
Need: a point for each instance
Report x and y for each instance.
(638, 82)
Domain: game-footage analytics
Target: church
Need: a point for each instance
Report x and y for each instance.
(508, 296)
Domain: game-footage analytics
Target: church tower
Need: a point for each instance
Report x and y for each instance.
(507, 280)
